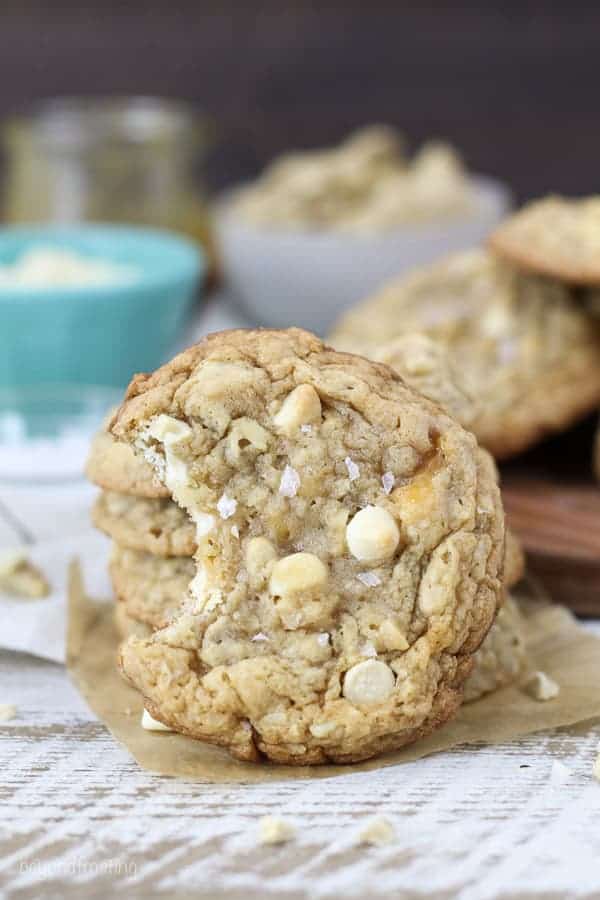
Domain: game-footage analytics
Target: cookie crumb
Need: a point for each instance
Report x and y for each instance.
(377, 832)
(596, 768)
(559, 773)
(275, 830)
(226, 506)
(20, 577)
(541, 687)
(388, 481)
(290, 482)
(353, 470)
(7, 711)
(151, 724)
(370, 579)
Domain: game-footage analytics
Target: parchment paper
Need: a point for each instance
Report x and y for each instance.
(557, 645)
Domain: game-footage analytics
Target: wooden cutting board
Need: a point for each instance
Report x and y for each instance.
(559, 526)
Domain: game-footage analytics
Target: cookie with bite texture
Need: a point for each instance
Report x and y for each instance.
(153, 525)
(115, 467)
(513, 356)
(350, 544)
(150, 588)
(555, 236)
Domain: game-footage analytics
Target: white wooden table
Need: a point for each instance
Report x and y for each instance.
(78, 818)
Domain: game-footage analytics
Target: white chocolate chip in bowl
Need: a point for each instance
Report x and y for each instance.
(297, 572)
(368, 682)
(301, 407)
(372, 534)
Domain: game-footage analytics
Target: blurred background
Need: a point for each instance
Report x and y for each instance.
(513, 85)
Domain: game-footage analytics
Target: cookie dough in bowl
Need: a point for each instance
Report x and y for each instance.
(350, 543)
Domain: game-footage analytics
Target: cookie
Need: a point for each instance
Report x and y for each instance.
(150, 587)
(556, 236)
(502, 656)
(126, 626)
(115, 467)
(513, 356)
(350, 549)
(514, 560)
(151, 525)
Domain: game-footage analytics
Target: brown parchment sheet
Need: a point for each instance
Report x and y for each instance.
(556, 643)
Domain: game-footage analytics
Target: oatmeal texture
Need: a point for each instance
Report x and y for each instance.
(501, 658)
(512, 356)
(149, 587)
(555, 236)
(281, 649)
(151, 525)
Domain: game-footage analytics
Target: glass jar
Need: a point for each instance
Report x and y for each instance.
(130, 159)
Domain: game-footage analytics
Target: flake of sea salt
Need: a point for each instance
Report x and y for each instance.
(388, 481)
(226, 506)
(259, 637)
(353, 470)
(369, 579)
(290, 482)
(306, 429)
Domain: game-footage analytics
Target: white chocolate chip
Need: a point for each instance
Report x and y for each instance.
(290, 482)
(20, 577)
(391, 635)
(372, 534)
(377, 832)
(297, 572)
(274, 830)
(168, 430)
(260, 554)
(353, 469)
(226, 506)
(246, 434)
(7, 711)
(151, 724)
(371, 681)
(388, 481)
(299, 408)
(541, 687)
(438, 584)
(322, 729)
(369, 579)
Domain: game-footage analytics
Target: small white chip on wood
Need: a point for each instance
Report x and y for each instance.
(151, 724)
(377, 831)
(275, 830)
(7, 711)
(541, 687)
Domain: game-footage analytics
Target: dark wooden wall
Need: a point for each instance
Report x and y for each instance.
(516, 86)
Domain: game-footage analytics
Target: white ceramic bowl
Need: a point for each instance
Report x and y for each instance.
(308, 278)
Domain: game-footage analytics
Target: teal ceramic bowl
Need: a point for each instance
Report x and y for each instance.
(99, 334)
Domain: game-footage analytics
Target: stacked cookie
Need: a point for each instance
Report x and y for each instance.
(348, 546)
(153, 539)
